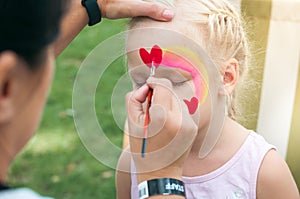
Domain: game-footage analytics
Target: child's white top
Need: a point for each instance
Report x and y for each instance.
(235, 179)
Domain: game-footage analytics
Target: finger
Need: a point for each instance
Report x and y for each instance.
(154, 10)
(133, 8)
(140, 94)
(162, 92)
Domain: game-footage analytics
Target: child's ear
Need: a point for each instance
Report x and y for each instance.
(230, 76)
(8, 61)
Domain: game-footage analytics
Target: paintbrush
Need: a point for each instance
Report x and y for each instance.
(147, 117)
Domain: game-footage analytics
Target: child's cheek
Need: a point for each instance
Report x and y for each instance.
(194, 95)
(187, 90)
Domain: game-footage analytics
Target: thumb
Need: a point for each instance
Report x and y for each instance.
(134, 101)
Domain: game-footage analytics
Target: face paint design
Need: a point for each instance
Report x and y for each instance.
(192, 104)
(154, 57)
(187, 61)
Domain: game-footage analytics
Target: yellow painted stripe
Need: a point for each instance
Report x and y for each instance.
(258, 13)
(293, 154)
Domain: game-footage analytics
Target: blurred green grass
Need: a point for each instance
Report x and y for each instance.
(55, 162)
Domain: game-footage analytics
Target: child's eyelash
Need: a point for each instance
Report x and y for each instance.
(176, 84)
(138, 85)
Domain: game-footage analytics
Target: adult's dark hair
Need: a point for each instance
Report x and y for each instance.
(28, 26)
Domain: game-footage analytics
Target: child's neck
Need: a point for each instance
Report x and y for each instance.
(229, 126)
(230, 140)
(199, 140)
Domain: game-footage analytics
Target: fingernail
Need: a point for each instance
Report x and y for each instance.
(168, 14)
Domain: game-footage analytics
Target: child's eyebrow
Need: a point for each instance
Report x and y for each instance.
(173, 72)
(174, 61)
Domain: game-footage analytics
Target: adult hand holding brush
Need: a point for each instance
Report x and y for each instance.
(171, 131)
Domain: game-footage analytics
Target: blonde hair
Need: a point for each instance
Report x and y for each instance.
(218, 27)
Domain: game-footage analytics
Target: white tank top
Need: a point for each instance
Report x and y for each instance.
(235, 179)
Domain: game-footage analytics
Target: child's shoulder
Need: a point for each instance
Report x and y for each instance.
(259, 142)
(238, 140)
(275, 179)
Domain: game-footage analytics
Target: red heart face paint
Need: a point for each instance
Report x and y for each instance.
(186, 61)
(192, 104)
(155, 56)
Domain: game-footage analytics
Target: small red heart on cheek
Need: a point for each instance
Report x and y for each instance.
(154, 56)
(192, 104)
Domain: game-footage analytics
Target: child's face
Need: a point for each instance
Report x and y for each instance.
(187, 76)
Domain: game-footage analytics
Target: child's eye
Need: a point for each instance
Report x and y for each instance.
(181, 83)
(175, 84)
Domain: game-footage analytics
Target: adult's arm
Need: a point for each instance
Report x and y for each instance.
(171, 133)
(76, 18)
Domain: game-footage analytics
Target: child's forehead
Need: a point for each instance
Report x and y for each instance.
(160, 34)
